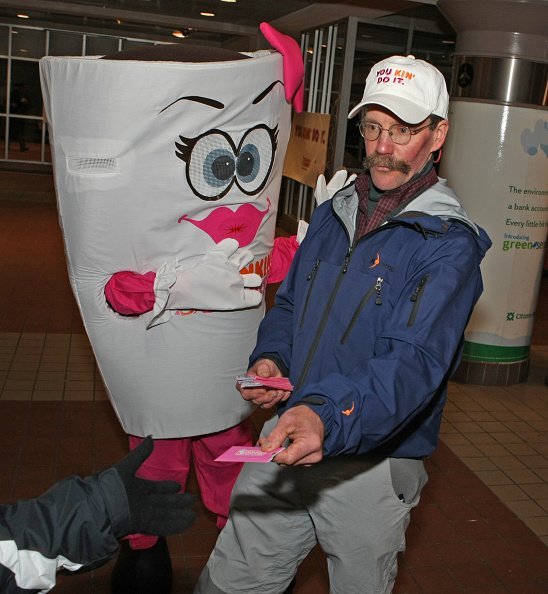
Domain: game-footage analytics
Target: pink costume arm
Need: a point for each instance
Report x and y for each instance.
(130, 293)
(282, 256)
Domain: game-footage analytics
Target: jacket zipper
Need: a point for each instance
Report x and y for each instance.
(321, 327)
(416, 299)
(325, 316)
(376, 288)
(311, 278)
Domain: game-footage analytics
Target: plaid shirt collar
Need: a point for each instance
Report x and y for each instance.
(389, 201)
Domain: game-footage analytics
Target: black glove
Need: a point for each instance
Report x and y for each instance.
(155, 507)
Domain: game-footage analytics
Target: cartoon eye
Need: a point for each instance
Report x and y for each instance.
(214, 164)
(255, 159)
(211, 165)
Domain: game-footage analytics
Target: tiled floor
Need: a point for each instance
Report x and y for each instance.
(481, 527)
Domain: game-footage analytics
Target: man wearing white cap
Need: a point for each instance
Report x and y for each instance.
(368, 327)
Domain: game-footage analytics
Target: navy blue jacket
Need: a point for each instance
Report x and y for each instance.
(370, 333)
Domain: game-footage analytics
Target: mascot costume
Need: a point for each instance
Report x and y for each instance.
(168, 163)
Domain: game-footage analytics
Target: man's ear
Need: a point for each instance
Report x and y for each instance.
(440, 133)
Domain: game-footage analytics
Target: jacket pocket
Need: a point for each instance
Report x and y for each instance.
(376, 290)
(416, 299)
(310, 279)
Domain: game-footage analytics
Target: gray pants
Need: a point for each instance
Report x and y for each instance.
(351, 505)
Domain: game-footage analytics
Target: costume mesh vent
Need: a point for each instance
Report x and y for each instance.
(92, 165)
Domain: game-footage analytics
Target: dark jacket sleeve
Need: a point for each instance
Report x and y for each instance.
(72, 525)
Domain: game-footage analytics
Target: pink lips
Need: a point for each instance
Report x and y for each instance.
(241, 224)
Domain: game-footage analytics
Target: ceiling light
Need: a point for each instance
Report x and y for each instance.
(208, 14)
(23, 16)
(182, 34)
(231, 1)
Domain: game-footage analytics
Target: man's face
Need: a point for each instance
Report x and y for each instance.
(384, 151)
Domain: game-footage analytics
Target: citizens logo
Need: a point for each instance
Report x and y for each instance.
(511, 316)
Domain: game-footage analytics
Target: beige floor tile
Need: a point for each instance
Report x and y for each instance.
(454, 439)
(508, 462)
(465, 451)
(480, 415)
(50, 385)
(15, 395)
(480, 463)
(543, 503)
(538, 524)
(523, 449)
(509, 492)
(542, 472)
(78, 395)
(523, 476)
(493, 450)
(504, 415)
(467, 426)
(534, 462)
(18, 385)
(494, 477)
(47, 395)
(536, 490)
(525, 508)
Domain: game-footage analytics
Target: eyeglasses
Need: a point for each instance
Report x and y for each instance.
(399, 133)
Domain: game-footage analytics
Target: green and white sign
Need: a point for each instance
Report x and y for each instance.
(496, 159)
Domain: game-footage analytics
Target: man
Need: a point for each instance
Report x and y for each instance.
(77, 523)
(368, 326)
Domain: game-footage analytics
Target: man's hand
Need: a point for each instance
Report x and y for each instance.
(264, 397)
(305, 430)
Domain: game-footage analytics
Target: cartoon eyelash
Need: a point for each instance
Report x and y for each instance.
(275, 138)
(185, 148)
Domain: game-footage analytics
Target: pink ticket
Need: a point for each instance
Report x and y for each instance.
(247, 454)
(255, 381)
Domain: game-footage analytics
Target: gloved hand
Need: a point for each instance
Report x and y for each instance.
(213, 282)
(155, 507)
(325, 191)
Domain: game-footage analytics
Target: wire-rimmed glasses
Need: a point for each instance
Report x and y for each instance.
(399, 133)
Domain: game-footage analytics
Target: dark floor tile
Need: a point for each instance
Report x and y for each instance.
(435, 580)
(474, 574)
(457, 553)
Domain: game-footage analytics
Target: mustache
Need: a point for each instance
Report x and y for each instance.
(376, 160)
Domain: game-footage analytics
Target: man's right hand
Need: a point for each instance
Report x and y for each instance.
(264, 397)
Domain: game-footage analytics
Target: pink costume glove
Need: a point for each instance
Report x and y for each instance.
(283, 253)
(130, 293)
(282, 256)
(211, 281)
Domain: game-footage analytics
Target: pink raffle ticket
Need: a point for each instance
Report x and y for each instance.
(247, 454)
(254, 381)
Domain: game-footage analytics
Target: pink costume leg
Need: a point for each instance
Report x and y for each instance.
(216, 479)
(170, 461)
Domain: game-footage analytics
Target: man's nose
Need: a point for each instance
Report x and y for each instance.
(385, 144)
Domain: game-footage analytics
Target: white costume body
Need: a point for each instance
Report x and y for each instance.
(128, 202)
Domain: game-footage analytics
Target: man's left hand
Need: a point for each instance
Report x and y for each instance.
(305, 430)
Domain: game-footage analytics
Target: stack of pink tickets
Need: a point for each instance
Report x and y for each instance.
(274, 383)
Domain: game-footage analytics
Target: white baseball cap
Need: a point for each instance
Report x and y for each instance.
(411, 89)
